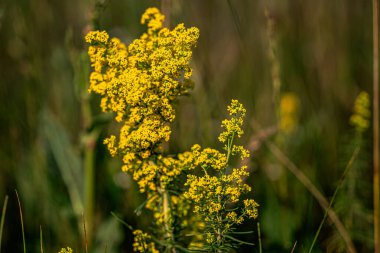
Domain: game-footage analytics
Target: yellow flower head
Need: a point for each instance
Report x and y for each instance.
(362, 114)
(153, 18)
(232, 126)
(221, 186)
(289, 107)
(143, 242)
(141, 82)
(66, 250)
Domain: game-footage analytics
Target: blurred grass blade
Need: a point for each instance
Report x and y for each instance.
(237, 240)
(3, 218)
(278, 153)
(122, 222)
(41, 241)
(68, 161)
(294, 247)
(343, 177)
(22, 222)
(236, 18)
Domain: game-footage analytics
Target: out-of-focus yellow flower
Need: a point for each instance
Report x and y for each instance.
(361, 113)
(66, 250)
(289, 108)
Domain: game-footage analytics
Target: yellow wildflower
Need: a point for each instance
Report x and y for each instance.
(66, 250)
(233, 126)
(251, 208)
(220, 186)
(361, 117)
(289, 107)
(143, 242)
(140, 83)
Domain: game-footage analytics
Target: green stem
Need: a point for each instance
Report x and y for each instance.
(22, 223)
(89, 186)
(259, 234)
(3, 218)
(167, 219)
(41, 241)
(90, 138)
(229, 146)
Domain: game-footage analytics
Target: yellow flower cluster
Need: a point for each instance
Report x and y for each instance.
(221, 187)
(141, 81)
(143, 243)
(250, 208)
(66, 250)
(179, 208)
(233, 126)
(160, 171)
(210, 194)
(153, 18)
(361, 117)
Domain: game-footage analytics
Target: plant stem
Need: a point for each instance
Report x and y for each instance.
(259, 234)
(22, 223)
(167, 219)
(3, 218)
(41, 241)
(376, 182)
(89, 185)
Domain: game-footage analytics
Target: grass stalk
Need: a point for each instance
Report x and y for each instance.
(294, 247)
(22, 222)
(376, 182)
(259, 235)
(85, 234)
(41, 240)
(315, 192)
(303, 179)
(3, 218)
(122, 222)
(89, 184)
(349, 165)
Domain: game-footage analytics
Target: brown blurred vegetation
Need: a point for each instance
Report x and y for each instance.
(254, 51)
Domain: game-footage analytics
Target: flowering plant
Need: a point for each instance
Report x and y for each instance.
(140, 84)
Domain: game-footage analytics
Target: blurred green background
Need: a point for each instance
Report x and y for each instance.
(315, 54)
